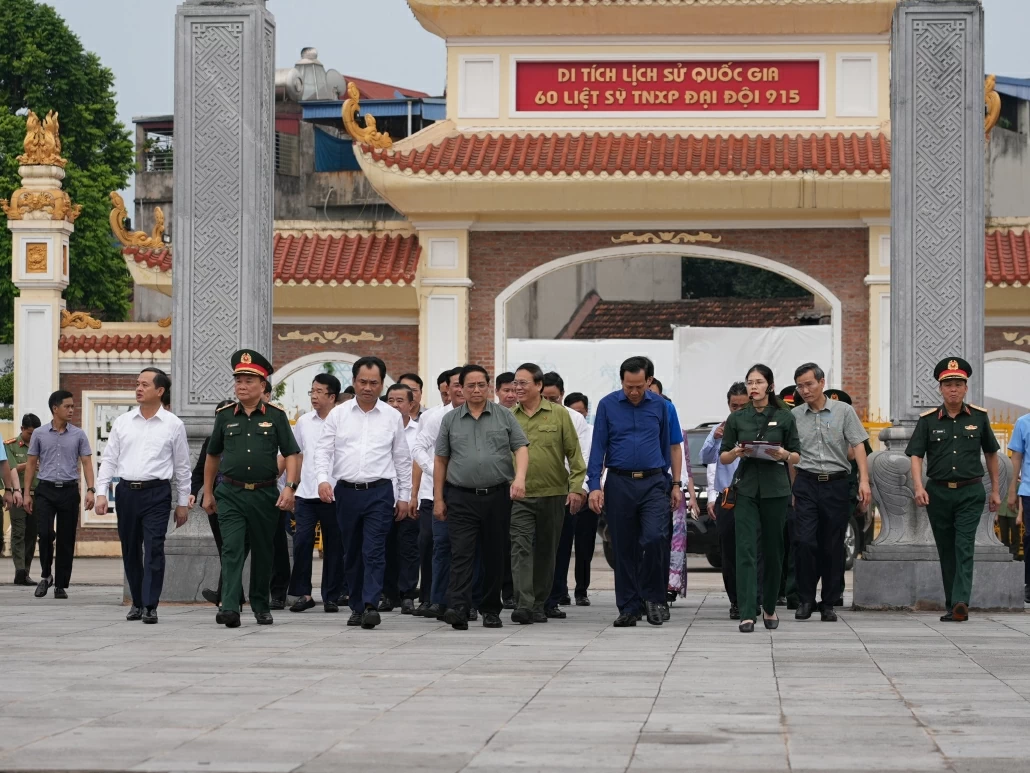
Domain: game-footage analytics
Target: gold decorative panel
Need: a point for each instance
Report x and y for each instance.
(65, 249)
(35, 258)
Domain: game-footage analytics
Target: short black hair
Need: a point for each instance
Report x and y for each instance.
(809, 366)
(551, 378)
(737, 388)
(369, 362)
(443, 378)
(503, 378)
(635, 365)
(161, 381)
(577, 397)
(58, 397)
(533, 370)
(349, 390)
(657, 383)
(268, 387)
(329, 381)
(412, 377)
(471, 368)
(649, 372)
(30, 420)
(455, 371)
(398, 387)
(223, 404)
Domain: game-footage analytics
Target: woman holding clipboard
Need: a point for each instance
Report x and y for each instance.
(763, 436)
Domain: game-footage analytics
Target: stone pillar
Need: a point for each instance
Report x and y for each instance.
(40, 216)
(937, 292)
(222, 231)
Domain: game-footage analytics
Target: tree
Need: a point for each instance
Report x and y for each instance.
(43, 67)
(704, 278)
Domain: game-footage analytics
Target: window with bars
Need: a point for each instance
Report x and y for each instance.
(287, 154)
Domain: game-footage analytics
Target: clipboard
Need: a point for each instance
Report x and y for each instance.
(760, 449)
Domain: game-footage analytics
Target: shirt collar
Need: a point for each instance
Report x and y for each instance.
(648, 395)
(161, 413)
(545, 405)
(488, 408)
(942, 412)
(239, 407)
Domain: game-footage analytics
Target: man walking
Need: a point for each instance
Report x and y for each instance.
(414, 382)
(631, 438)
(310, 511)
(279, 584)
(243, 452)
(1019, 491)
(58, 450)
(23, 524)
(145, 450)
(552, 489)
(402, 556)
(951, 438)
(736, 398)
(474, 484)
(362, 450)
(830, 432)
(505, 389)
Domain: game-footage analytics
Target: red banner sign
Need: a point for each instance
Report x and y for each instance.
(774, 85)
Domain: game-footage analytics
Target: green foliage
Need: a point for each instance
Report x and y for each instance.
(43, 67)
(7, 388)
(704, 278)
(7, 414)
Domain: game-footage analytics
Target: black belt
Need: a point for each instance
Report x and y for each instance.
(142, 485)
(59, 483)
(480, 492)
(635, 474)
(365, 486)
(822, 477)
(946, 483)
(249, 486)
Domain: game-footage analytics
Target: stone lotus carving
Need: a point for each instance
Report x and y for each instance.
(367, 134)
(154, 240)
(666, 237)
(79, 320)
(42, 142)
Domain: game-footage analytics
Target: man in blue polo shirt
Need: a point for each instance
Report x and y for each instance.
(1019, 445)
(632, 439)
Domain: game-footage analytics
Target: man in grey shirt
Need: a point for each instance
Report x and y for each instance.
(831, 435)
(474, 482)
(57, 451)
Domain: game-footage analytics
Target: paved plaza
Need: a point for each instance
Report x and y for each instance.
(83, 690)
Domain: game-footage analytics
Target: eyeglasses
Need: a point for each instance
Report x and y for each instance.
(319, 392)
(522, 384)
(474, 387)
(757, 383)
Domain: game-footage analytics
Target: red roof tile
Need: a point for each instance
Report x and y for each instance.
(375, 90)
(105, 343)
(644, 154)
(382, 258)
(159, 259)
(1007, 256)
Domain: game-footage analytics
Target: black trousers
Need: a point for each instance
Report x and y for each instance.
(585, 540)
(402, 560)
(142, 524)
(820, 518)
(216, 532)
(425, 549)
(279, 585)
(57, 514)
(486, 520)
(562, 559)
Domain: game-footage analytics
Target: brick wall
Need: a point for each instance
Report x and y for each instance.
(836, 257)
(995, 340)
(398, 347)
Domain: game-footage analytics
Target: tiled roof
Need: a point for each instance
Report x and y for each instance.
(1007, 256)
(105, 343)
(640, 154)
(655, 319)
(359, 259)
(362, 258)
(375, 90)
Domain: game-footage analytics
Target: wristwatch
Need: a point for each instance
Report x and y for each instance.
(91, 490)
(678, 483)
(292, 485)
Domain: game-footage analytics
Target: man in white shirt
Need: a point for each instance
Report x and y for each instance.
(402, 559)
(435, 559)
(309, 510)
(145, 450)
(362, 450)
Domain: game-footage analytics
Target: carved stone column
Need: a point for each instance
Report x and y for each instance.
(222, 231)
(937, 295)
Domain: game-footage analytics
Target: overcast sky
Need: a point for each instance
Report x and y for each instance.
(375, 39)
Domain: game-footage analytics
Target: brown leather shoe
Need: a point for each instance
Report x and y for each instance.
(960, 613)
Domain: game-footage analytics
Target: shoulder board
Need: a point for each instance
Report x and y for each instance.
(12, 440)
(230, 405)
(927, 413)
(273, 405)
(977, 407)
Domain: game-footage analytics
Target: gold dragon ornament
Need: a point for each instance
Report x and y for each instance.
(42, 148)
(42, 141)
(154, 241)
(367, 134)
(993, 104)
(79, 320)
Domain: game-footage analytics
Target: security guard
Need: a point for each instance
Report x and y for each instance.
(244, 446)
(952, 437)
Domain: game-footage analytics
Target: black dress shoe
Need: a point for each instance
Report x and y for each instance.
(1026, 594)
(302, 604)
(960, 611)
(582, 601)
(804, 611)
(792, 602)
(354, 619)
(150, 616)
(654, 613)
(827, 615)
(625, 621)
(490, 620)
(21, 577)
(748, 626)
(508, 603)
(331, 607)
(564, 600)
(666, 615)
(135, 613)
(278, 602)
(27, 581)
(771, 624)
(386, 605)
(947, 617)
(734, 612)
(420, 610)
(781, 601)
(263, 618)
(670, 596)
(211, 597)
(539, 616)
(473, 613)
(60, 593)
(370, 619)
(435, 611)
(407, 606)
(457, 617)
(228, 618)
(523, 616)
(43, 587)
(554, 612)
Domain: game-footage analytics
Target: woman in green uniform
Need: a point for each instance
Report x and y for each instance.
(762, 492)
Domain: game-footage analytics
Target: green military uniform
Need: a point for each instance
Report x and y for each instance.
(951, 446)
(249, 446)
(763, 490)
(23, 525)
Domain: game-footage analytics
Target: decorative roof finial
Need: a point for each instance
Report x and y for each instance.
(42, 141)
(155, 241)
(993, 103)
(366, 134)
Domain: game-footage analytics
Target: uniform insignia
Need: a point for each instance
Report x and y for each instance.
(970, 426)
(771, 424)
(834, 397)
(927, 413)
(982, 410)
(265, 424)
(230, 426)
(246, 359)
(952, 364)
(230, 405)
(273, 405)
(8, 442)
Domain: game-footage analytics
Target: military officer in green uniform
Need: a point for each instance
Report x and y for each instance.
(23, 524)
(244, 447)
(951, 438)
